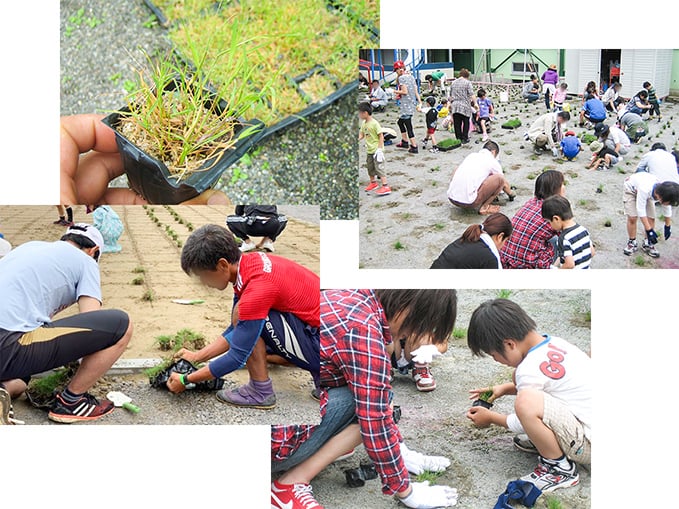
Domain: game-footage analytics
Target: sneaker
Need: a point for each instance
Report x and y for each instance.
(538, 151)
(87, 408)
(650, 250)
(247, 245)
(413, 149)
(484, 137)
(316, 394)
(632, 247)
(402, 144)
(371, 187)
(383, 191)
(62, 222)
(423, 379)
(523, 443)
(267, 245)
(434, 149)
(246, 396)
(550, 477)
(293, 496)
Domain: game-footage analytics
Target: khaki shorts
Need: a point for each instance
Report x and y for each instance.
(569, 431)
(374, 168)
(630, 202)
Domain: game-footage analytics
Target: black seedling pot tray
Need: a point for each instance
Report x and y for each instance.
(446, 149)
(314, 108)
(151, 179)
(184, 367)
(338, 5)
(484, 404)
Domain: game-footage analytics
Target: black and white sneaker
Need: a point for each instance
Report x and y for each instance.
(549, 477)
(87, 408)
(650, 250)
(523, 443)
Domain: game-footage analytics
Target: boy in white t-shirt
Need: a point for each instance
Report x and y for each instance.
(552, 384)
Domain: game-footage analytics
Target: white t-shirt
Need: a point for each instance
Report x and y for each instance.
(617, 135)
(39, 279)
(561, 370)
(471, 173)
(641, 184)
(660, 163)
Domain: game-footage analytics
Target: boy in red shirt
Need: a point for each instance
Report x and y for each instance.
(276, 305)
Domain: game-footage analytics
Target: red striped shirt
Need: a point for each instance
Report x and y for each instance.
(268, 282)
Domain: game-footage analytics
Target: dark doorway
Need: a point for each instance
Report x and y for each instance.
(610, 67)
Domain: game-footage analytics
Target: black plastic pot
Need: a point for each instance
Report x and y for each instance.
(484, 404)
(184, 367)
(150, 177)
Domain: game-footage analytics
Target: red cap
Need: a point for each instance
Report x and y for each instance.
(570, 133)
(399, 65)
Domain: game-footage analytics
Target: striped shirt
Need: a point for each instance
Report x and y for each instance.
(575, 242)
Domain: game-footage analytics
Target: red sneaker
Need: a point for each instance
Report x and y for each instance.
(423, 379)
(371, 187)
(383, 191)
(87, 408)
(293, 496)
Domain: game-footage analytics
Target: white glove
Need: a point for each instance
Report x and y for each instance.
(416, 462)
(425, 354)
(379, 155)
(555, 152)
(425, 496)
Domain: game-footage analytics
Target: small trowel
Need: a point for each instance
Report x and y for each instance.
(122, 400)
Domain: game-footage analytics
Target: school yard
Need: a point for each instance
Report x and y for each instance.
(483, 460)
(411, 226)
(144, 278)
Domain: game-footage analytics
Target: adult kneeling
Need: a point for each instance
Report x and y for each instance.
(479, 247)
(479, 180)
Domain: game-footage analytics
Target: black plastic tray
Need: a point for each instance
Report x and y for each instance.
(150, 177)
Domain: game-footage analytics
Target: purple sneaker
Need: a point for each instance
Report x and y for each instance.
(249, 396)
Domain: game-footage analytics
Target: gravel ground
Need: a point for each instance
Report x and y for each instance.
(483, 460)
(313, 162)
(419, 216)
(158, 406)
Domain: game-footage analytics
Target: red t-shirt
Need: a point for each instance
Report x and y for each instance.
(268, 282)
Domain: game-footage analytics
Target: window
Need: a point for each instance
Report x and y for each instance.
(531, 68)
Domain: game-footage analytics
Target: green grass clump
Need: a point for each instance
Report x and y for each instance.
(587, 138)
(277, 41)
(512, 123)
(459, 333)
(428, 475)
(398, 246)
(448, 143)
(486, 395)
(139, 270)
(504, 294)
(138, 281)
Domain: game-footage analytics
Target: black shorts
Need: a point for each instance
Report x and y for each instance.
(23, 354)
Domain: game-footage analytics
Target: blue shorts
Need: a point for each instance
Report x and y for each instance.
(297, 342)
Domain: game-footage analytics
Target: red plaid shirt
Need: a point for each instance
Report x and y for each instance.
(354, 336)
(528, 247)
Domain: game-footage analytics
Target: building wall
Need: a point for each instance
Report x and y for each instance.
(674, 80)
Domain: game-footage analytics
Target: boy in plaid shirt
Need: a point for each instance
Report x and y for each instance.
(357, 331)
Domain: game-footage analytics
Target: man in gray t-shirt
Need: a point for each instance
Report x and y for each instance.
(38, 280)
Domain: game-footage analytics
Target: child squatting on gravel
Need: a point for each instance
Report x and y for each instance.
(552, 383)
(574, 249)
(374, 143)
